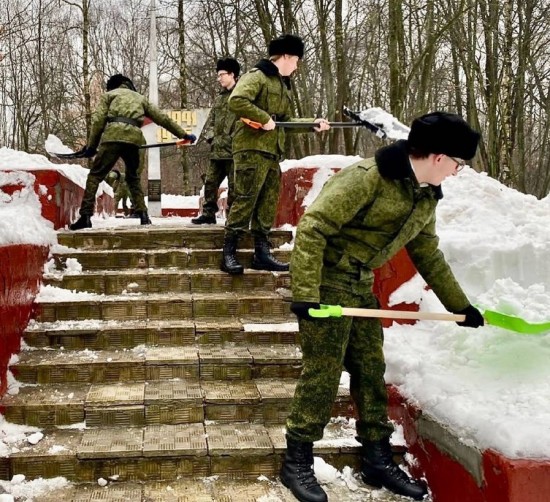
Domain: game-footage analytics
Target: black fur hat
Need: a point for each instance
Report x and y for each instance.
(117, 80)
(442, 132)
(287, 44)
(229, 65)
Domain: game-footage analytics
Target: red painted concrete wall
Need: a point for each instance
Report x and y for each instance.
(504, 479)
(62, 198)
(21, 269)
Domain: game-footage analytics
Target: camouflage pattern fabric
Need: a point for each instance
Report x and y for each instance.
(123, 102)
(359, 221)
(216, 172)
(122, 193)
(328, 347)
(258, 96)
(105, 159)
(363, 216)
(220, 127)
(257, 185)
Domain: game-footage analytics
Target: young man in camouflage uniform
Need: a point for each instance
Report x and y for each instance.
(218, 132)
(260, 95)
(363, 216)
(116, 133)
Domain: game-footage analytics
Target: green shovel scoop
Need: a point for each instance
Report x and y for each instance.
(493, 318)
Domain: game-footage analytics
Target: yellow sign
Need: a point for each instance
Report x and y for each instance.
(191, 120)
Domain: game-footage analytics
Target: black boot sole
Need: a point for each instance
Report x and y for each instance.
(269, 268)
(375, 482)
(287, 484)
(232, 271)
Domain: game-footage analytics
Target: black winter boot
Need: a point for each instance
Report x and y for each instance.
(82, 222)
(230, 263)
(204, 219)
(263, 259)
(378, 469)
(297, 472)
(144, 217)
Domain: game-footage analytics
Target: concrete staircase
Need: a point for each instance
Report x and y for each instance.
(172, 370)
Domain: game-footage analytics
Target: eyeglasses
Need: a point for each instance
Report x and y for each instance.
(459, 163)
(222, 73)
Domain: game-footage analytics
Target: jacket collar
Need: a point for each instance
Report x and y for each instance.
(393, 163)
(270, 70)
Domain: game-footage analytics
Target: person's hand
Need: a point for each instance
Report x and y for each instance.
(190, 137)
(324, 125)
(269, 125)
(301, 309)
(86, 152)
(474, 319)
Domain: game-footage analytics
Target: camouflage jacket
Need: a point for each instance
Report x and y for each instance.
(363, 216)
(122, 102)
(220, 127)
(260, 94)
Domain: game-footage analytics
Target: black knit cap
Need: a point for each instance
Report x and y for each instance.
(287, 44)
(229, 65)
(117, 80)
(442, 132)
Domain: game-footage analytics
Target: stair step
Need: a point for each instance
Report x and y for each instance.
(134, 404)
(157, 306)
(159, 237)
(211, 489)
(115, 282)
(166, 452)
(209, 362)
(99, 335)
(156, 258)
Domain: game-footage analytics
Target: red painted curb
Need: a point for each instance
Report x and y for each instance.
(503, 479)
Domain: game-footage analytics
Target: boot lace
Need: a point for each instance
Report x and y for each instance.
(306, 475)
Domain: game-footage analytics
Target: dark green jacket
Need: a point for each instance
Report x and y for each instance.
(123, 102)
(260, 94)
(220, 127)
(363, 216)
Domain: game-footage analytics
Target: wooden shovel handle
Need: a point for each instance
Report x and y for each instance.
(402, 314)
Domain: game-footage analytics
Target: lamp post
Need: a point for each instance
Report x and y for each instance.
(153, 185)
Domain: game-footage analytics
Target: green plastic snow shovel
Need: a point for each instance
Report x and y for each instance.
(493, 318)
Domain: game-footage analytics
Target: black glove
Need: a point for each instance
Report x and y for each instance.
(474, 319)
(301, 309)
(85, 153)
(190, 137)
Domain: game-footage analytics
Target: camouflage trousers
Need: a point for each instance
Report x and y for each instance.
(256, 194)
(329, 346)
(217, 170)
(104, 161)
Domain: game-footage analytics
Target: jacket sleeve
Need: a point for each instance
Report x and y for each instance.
(163, 120)
(99, 121)
(431, 264)
(242, 99)
(344, 195)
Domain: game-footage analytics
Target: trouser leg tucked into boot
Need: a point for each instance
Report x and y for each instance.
(263, 259)
(230, 264)
(378, 469)
(297, 472)
(82, 222)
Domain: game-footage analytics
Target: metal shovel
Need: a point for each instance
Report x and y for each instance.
(493, 318)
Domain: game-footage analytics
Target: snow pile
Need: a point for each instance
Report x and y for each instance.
(489, 385)
(13, 160)
(26, 491)
(321, 162)
(21, 221)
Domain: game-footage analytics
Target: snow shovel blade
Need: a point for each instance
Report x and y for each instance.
(516, 324)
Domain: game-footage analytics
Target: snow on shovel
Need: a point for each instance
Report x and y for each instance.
(493, 318)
